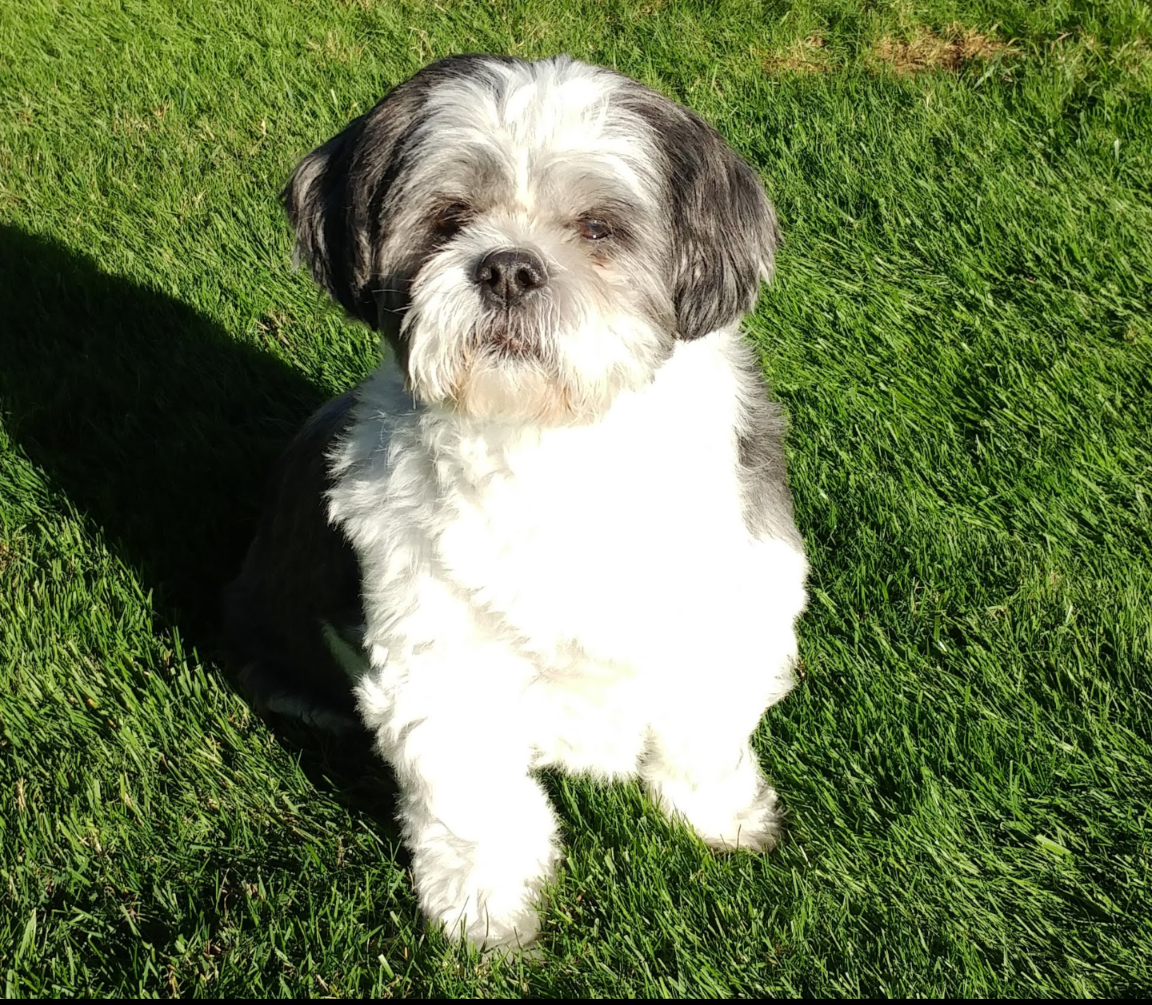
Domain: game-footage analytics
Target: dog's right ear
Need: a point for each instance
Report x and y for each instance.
(337, 199)
(322, 199)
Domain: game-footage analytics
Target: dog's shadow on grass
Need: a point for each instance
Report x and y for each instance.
(161, 429)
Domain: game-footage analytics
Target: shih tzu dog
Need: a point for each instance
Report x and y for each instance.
(554, 528)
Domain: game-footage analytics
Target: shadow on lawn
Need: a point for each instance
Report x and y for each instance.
(155, 423)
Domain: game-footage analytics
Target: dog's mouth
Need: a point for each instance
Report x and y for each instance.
(505, 337)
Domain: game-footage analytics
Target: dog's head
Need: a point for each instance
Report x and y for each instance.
(532, 238)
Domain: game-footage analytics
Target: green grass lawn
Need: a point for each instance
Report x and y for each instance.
(960, 328)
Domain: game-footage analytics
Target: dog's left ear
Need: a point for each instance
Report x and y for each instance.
(724, 230)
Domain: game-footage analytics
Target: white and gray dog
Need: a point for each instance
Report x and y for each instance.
(554, 528)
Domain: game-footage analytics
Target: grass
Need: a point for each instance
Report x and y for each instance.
(961, 332)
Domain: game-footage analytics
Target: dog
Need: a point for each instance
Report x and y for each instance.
(554, 528)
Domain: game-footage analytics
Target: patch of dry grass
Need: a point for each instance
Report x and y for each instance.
(951, 49)
(806, 55)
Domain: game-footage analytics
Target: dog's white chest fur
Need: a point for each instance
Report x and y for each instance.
(598, 543)
(581, 585)
(571, 533)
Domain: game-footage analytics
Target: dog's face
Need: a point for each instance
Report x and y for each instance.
(532, 237)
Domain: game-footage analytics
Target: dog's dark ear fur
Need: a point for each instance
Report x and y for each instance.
(322, 199)
(337, 197)
(724, 230)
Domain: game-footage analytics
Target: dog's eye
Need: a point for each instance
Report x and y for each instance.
(451, 218)
(593, 230)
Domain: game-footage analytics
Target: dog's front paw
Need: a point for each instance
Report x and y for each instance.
(488, 893)
(753, 825)
(488, 918)
(725, 799)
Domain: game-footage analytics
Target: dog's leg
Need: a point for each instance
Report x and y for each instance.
(699, 764)
(480, 829)
(714, 784)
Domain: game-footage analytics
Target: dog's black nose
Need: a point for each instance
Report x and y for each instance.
(507, 277)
